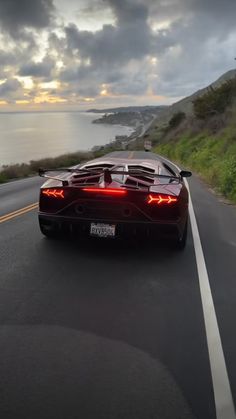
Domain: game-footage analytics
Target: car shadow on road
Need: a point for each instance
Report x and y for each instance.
(112, 249)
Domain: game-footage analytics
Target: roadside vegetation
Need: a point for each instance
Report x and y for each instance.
(213, 158)
(17, 171)
(176, 120)
(206, 141)
(216, 100)
(23, 170)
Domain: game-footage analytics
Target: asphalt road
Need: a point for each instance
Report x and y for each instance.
(112, 330)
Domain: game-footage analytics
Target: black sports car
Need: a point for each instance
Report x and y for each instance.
(114, 197)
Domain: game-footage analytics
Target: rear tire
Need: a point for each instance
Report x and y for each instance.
(180, 242)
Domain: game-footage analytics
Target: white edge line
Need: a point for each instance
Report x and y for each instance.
(222, 392)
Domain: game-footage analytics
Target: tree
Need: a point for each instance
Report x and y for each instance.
(176, 119)
(215, 101)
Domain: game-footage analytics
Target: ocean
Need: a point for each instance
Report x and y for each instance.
(31, 136)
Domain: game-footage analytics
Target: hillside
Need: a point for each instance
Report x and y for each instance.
(132, 116)
(186, 104)
(139, 117)
(154, 109)
(130, 119)
(204, 139)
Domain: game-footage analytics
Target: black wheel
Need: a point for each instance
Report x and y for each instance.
(48, 232)
(180, 242)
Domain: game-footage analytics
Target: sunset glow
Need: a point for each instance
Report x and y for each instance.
(104, 92)
(27, 82)
(50, 85)
(69, 53)
(22, 102)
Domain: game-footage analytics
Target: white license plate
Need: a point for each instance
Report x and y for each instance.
(102, 230)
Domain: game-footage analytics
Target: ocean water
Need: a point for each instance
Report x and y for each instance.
(31, 136)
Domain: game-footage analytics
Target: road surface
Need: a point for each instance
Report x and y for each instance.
(97, 330)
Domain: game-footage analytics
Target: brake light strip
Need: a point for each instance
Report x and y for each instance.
(105, 191)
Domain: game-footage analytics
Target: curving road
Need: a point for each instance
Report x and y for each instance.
(119, 330)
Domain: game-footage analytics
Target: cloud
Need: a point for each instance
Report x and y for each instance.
(42, 69)
(15, 53)
(108, 50)
(165, 47)
(7, 58)
(16, 15)
(81, 90)
(129, 11)
(111, 45)
(184, 49)
(10, 89)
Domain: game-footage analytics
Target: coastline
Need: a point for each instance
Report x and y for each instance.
(140, 127)
(121, 142)
(26, 137)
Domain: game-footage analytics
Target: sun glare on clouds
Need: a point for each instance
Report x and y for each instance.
(22, 102)
(50, 85)
(88, 15)
(45, 98)
(104, 92)
(27, 82)
(89, 99)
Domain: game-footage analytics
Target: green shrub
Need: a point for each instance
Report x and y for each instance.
(3, 178)
(228, 177)
(17, 171)
(176, 119)
(213, 157)
(215, 101)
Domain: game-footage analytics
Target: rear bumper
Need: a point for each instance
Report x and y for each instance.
(78, 226)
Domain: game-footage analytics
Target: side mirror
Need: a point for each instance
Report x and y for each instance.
(184, 173)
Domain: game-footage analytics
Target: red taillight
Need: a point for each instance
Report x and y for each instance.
(106, 191)
(54, 193)
(161, 199)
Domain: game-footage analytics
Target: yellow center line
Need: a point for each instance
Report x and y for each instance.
(18, 212)
(21, 209)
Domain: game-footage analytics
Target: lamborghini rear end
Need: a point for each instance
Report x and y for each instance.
(98, 204)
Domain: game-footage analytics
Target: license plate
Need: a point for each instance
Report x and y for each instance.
(102, 230)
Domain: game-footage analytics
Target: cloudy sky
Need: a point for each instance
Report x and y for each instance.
(77, 54)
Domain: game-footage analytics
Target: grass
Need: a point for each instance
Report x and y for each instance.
(206, 141)
(18, 171)
(211, 156)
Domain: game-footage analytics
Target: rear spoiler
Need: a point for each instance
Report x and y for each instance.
(89, 174)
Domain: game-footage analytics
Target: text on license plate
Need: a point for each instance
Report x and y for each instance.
(102, 230)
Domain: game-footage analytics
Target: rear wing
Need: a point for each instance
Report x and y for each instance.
(86, 176)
